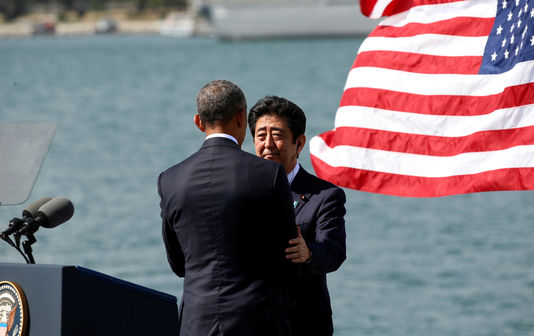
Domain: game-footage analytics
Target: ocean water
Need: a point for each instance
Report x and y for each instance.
(124, 106)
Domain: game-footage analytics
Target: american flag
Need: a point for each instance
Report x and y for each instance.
(439, 101)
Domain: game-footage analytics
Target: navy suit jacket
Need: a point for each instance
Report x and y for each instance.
(227, 218)
(319, 212)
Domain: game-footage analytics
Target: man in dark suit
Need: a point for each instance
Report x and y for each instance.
(277, 126)
(227, 219)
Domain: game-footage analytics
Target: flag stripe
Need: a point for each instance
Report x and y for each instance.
(429, 145)
(434, 125)
(426, 44)
(420, 63)
(424, 84)
(444, 10)
(439, 105)
(413, 186)
(460, 26)
(422, 165)
(376, 9)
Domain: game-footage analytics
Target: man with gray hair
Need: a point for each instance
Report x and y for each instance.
(227, 218)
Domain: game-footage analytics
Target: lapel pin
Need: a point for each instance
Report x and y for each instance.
(295, 203)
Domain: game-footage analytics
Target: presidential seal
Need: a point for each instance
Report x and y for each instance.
(13, 310)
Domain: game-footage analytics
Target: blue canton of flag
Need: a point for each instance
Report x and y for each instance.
(512, 36)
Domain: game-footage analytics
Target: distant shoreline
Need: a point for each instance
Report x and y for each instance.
(24, 29)
(149, 23)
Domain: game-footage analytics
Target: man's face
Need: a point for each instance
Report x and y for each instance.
(273, 140)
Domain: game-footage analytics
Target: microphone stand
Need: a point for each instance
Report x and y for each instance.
(27, 230)
(27, 245)
(6, 238)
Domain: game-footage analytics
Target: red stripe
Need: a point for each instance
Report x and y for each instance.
(398, 6)
(439, 105)
(429, 145)
(459, 26)
(419, 63)
(366, 6)
(414, 186)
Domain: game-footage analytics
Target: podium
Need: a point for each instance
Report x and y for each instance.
(76, 301)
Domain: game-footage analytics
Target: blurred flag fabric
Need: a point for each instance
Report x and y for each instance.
(439, 101)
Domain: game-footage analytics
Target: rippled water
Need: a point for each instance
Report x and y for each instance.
(461, 265)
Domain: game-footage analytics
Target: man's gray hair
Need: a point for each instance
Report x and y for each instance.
(219, 101)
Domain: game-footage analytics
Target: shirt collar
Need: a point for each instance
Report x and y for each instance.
(222, 135)
(291, 176)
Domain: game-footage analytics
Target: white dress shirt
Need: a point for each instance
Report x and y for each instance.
(222, 135)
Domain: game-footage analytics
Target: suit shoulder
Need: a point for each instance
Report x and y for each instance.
(320, 182)
(172, 170)
(321, 186)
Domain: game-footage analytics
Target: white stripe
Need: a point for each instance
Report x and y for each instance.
(434, 125)
(440, 12)
(378, 9)
(422, 165)
(429, 44)
(439, 84)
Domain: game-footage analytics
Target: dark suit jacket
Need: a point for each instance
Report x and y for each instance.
(227, 218)
(319, 213)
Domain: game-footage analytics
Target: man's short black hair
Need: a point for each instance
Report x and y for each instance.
(219, 101)
(282, 108)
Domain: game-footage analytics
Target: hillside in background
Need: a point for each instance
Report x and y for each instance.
(80, 10)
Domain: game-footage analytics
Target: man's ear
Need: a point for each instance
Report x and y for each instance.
(301, 141)
(199, 123)
(242, 119)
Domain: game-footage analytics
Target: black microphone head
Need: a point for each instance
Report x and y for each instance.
(57, 211)
(31, 210)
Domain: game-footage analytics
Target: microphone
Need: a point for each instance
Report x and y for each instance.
(29, 212)
(51, 214)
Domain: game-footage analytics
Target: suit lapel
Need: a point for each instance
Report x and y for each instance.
(298, 190)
